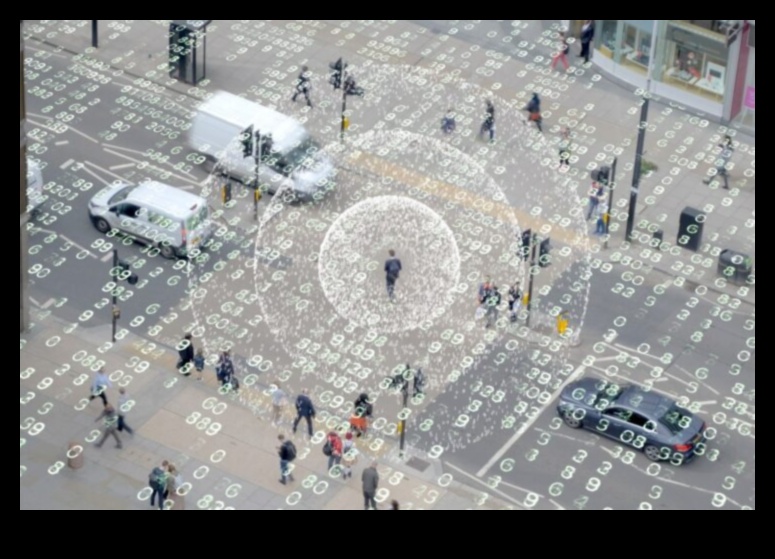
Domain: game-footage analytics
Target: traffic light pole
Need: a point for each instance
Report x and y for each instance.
(114, 307)
(644, 111)
(344, 102)
(257, 191)
(94, 37)
(405, 394)
(611, 185)
(529, 306)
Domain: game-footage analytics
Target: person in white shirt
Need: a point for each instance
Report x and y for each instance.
(100, 385)
(279, 399)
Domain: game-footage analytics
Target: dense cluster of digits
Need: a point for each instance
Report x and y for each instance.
(466, 363)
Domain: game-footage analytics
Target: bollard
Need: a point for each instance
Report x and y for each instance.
(562, 323)
(74, 455)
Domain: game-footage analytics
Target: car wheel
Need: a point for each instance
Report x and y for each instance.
(653, 453)
(102, 225)
(167, 252)
(571, 421)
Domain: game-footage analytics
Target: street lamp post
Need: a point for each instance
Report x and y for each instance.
(531, 275)
(644, 111)
(94, 37)
(611, 185)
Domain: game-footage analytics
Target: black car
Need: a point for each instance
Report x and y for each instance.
(636, 417)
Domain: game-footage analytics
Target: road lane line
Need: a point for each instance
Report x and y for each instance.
(121, 166)
(72, 242)
(144, 164)
(106, 171)
(34, 302)
(494, 490)
(529, 423)
(106, 258)
(48, 303)
(66, 164)
(69, 128)
(62, 142)
(95, 175)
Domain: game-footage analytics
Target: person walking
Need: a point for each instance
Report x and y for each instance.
(419, 381)
(124, 406)
(533, 109)
(333, 448)
(595, 194)
(370, 480)
(448, 124)
(564, 145)
(349, 456)
(394, 505)
(304, 409)
(99, 386)
(515, 296)
(600, 219)
(287, 453)
(488, 125)
(186, 355)
(587, 34)
(279, 400)
(199, 364)
(303, 85)
(562, 53)
(224, 370)
(492, 303)
(109, 418)
(727, 150)
(157, 480)
(392, 271)
(362, 413)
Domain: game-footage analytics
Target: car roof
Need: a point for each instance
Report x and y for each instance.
(647, 403)
(286, 132)
(168, 199)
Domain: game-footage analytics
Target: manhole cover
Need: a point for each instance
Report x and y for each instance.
(417, 464)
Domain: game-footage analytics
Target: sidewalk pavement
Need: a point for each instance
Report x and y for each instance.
(236, 469)
(600, 114)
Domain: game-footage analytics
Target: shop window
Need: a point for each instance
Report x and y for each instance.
(695, 59)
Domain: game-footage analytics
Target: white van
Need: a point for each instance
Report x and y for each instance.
(173, 220)
(296, 161)
(35, 197)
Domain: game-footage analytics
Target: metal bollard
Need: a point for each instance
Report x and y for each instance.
(74, 455)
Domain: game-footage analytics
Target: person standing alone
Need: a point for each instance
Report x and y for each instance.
(305, 409)
(392, 271)
(587, 34)
(370, 479)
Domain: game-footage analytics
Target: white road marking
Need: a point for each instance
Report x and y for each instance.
(69, 128)
(106, 171)
(95, 175)
(525, 426)
(62, 142)
(566, 436)
(106, 258)
(48, 303)
(706, 403)
(121, 166)
(143, 164)
(494, 490)
(34, 302)
(61, 236)
(66, 164)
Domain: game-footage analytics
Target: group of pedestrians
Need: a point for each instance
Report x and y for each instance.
(339, 70)
(489, 300)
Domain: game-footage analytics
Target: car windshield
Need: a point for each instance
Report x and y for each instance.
(120, 196)
(676, 420)
(197, 219)
(302, 155)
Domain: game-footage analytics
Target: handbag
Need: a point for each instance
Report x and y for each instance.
(535, 116)
(480, 312)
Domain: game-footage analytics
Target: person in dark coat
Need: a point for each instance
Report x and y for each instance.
(370, 479)
(303, 85)
(304, 409)
(587, 34)
(186, 354)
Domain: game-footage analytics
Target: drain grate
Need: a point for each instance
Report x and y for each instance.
(417, 464)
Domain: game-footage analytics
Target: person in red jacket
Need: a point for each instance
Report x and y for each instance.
(333, 449)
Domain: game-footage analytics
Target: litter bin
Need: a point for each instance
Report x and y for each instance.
(657, 238)
(735, 266)
(74, 455)
(690, 227)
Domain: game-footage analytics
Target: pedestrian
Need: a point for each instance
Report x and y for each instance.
(394, 505)
(100, 385)
(419, 381)
(727, 149)
(351, 88)
(533, 109)
(601, 218)
(304, 409)
(515, 295)
(174, 481)
(303, 85)
(186, 355)
(224, 370)
(287, 453)
(110, 425)
(564, 146)
(488, 125)
(199, 363)
(349, 456)
(370, 480)
(124, 406)
(492, 303)
(562, 52)
(595, 193)
(392, 271)
(279, 400)
(587, 34)
(448, 122)
(484, 292)
(157, 480)
(362, 413)
(333, 448)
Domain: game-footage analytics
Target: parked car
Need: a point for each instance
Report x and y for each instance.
(173, 220)
(634, 416)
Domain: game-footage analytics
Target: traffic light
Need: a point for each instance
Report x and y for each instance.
(544, 258)
(336, 76)
(527, 236)
(124, 273)
(246, 138)
(265, 143)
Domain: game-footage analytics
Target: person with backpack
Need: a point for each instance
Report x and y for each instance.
(199, 364)
(287, 453)
(303, 86)
(224, 370)
(333, 448)
(304, 409)
(448, 122)
(533, 109)
(349, 456)
(419, 381)
(359, 421)
(109, 416)
(157, 480)
(492, 303)
(185, 355)
(392, 271)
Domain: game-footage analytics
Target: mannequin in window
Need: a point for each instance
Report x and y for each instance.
(692, 65)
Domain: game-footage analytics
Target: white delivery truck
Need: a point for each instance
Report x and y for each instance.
(35, 196)
(296, 164)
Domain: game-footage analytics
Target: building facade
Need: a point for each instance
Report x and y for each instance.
(23, 216)
(707, 65)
